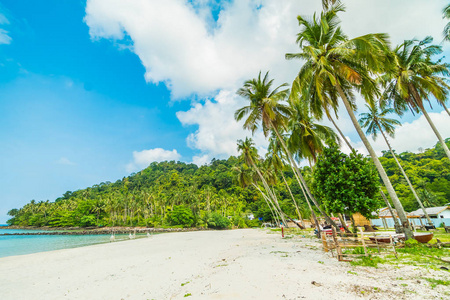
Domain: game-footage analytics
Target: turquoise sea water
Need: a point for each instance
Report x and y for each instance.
(27, 244)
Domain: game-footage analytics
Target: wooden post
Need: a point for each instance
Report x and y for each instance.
(385, 225)
(340, 256)
(362, 240)
(324, 243)
(393, 246)
(376, 242)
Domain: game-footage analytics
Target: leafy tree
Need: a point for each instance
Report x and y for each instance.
(180, 215)
(334, 67)
(217, 221)
(346, 183)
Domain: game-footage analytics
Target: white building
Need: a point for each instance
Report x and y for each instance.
(440, 212)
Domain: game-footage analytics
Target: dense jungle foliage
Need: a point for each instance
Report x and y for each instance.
(429, 172)
(164, 194)
(180, 194)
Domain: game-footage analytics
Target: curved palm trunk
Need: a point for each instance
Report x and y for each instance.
(316, 221)
(341, 218)
(406, 176)
(436, 132)
(269, 192)
(445, 107)
(296, 170)
(394, 218)
(293, 199)
(381, 171)
(340, 132)
(269, 203)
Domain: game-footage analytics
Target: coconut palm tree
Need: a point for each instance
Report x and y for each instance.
(307, 138)
(266, 108)
(376, 121)
(446, 15)
(327, 4)
(274, 160)
(249, 155)
(413, 76)
(333, 67)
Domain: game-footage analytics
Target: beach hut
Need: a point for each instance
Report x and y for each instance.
(439, 212)
(360, 220)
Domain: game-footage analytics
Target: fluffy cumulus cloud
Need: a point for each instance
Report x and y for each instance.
(142, 159)
(179, 46)
(217, 131)
(194, 50)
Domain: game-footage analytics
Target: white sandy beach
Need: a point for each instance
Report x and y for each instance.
(233, 264)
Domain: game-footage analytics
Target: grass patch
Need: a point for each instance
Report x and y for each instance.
(367, 261)
(183, 284)
(435, 282)
(187, 295)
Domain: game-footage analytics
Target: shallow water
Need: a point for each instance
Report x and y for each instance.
(27, 244)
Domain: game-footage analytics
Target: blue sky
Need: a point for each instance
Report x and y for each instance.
(91, 91)
(72, 110)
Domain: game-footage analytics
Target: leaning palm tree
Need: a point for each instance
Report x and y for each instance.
(376, 121)
(266, 107)
(308, 138)
(249, 155)
(327, 4)
(446, 15)
(413, 76)
(334, 67)
(275, 161)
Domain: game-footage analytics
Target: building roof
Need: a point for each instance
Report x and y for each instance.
(385, 213)
(430, 210)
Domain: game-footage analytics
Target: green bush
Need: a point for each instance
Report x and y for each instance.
(217, 221)
(180, 215)
(253, 223)
(411, 243)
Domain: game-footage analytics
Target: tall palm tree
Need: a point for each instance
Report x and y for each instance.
(307, 138)
(335, 66)
(376, 121)
(446, 15)
(266, 108)
(274, 160)
(249, 155)
(413, 76)
(327, 4)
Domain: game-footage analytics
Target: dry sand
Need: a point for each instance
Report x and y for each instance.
(234, 264)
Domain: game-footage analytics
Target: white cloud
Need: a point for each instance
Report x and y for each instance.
(401, 19)
(180, 45)
(142, 159)
(217, 131)
(412, 136)
(65, 161)
(177, 46)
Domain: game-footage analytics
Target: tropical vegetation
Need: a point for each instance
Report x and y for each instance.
(335, 71)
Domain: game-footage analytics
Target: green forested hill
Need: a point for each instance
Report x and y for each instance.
(429, 173)
(146, 198)
(176, 193)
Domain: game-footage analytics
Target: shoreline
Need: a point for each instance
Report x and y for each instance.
(231, 264)
(95, 230)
